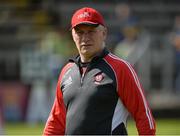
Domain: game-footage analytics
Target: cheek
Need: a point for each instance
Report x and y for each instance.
(76, 39)
(99, 40)
(77, 42)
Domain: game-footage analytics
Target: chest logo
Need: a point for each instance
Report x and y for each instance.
(67, 82)
(98, 78)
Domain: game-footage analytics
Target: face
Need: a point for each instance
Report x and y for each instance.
(89, 40)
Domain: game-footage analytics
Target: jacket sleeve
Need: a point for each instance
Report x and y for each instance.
(132, 96)
(55, 124)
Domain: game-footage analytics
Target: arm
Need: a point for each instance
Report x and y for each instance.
(132, 96)
(55, 124)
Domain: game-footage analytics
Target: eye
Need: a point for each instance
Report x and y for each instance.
(79, 32)
(92, 31)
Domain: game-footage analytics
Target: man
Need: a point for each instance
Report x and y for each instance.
(97, 91)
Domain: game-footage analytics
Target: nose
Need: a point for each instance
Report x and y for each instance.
(85, 36)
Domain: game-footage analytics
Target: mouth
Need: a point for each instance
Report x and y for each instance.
(86, 45)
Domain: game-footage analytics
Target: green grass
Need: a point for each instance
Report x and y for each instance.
(23, 129)
(164, 127)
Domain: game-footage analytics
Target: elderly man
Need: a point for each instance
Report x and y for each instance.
(96, 91)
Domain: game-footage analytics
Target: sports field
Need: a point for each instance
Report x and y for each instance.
(164, 127)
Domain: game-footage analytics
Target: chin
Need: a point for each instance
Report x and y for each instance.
(86, 53)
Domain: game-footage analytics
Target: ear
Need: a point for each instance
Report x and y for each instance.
(105, 33)
(72, 34)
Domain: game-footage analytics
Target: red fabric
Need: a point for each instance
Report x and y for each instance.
(132, 95)
(55, 124)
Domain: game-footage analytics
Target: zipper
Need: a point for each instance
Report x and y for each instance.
(93, 62)
(83, 75)
(81, 81)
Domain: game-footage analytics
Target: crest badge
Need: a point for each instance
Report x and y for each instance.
(98, 78)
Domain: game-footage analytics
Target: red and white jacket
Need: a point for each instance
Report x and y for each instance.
(100, 100)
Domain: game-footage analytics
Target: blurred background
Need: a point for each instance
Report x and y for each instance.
(35, 42)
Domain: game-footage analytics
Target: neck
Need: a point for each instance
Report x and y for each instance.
(85, 59)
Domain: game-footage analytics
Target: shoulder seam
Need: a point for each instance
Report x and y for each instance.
(113, 72)
(64, 69)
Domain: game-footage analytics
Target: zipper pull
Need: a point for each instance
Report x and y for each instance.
(82, 77)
